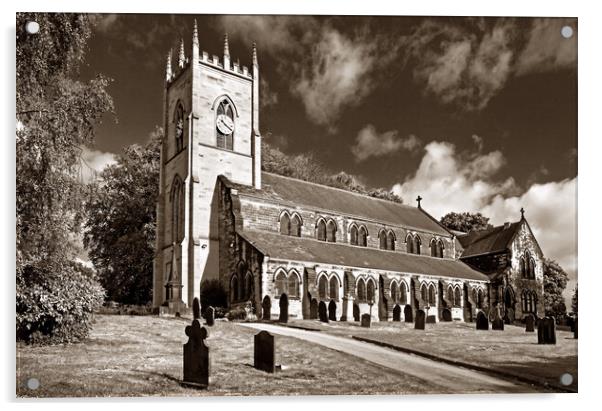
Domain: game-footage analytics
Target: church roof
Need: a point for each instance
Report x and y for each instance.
(302, 249)
(305, 194)
(493, 240)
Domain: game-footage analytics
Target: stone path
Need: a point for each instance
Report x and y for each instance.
(450, 378)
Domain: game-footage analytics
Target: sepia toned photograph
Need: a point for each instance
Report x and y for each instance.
(295, 205)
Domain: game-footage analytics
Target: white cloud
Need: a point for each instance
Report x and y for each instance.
(94, 161)
(369, 143)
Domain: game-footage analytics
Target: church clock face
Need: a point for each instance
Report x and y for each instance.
(224, 124)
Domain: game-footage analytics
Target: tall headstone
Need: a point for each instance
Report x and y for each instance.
(210, 316)
(196, 309)
(482, 321)
(283, 303)
(322, 312)
(397, 313)
(529, 323)
(546, 331)
(420, 320)
(265, 352)
(366, 320)
(196, 356)
(407, 314)
(266, 308)
(332, 310)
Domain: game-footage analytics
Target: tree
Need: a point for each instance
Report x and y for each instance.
(574, 303)
(465, 222)
(56, 114)
(555, 280)
(121, 223)
(306, 167)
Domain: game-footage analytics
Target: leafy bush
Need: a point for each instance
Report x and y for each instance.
(55, 303)
(244, 312)
(213, 294)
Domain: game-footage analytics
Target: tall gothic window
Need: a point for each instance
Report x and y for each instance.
(391, 241)
(394, 292)
(361, 290)
(362, 239)
(457, 297)
(382, 239)
(353, 235)
(403, 293)
(177, 210)
(417, 244)
(331, 231)
(296, 226)
(179, 128)
(280, 283)
(432, 296)
(333, 288)
(532, 268)
(410, 244)
(285, 224)
(234, 296)
(293, 285)
(321, 230)
(370, 290)
(323, 287)
(440, 248)
(224, 124)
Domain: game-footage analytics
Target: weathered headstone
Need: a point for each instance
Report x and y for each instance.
(407, 314)
(420, 320)
(397, 313)
(366, 320)
(196, 356)
(313, 309)
(546, 330)
(283, 308)
(322, 312)
(266, 308)
(446, 315)
(482, 321)
(332, 310)
(210, 316)
(431, 319)
(575, 328)
(529, 323)
(265, 352)
(196, 309)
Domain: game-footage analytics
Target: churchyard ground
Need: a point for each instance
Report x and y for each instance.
(142, 356)
(511, 351)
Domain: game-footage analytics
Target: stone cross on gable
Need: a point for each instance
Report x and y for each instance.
(419, 199)
(522, 213)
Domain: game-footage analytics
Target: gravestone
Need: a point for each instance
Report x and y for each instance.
(283, 303)
(356, 312)
(196, 356)
(420, 319)
(482, 321)
(431, 319)
(529, 323)
(210, 316)
(446, 315)
(313, 309)
(575, 328)
(265, 352)
(546, 330)
(397, 313)
(366, 320)
(322, 312)
(332, 310)
(266, 308)
(407, 314)
(196, 309)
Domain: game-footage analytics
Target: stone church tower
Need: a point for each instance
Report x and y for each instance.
(211, 123)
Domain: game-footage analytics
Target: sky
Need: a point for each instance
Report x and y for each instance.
(473, 114)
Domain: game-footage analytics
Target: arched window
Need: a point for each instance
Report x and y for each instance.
(532, 268)
(432, 296)
(391, 241)
(179, 128)
(382, 240)
(440, 248)
(480, 298)
(417, 244)
(527, 264)
(234, 288)
(362, 239)
(370, 291)
(410, 244)
(296, 226)
(177, 210)
(450, 294)
(323, 287)
(394, 292)
(321, 230)
(424, 293)
(333, 286)
(293, 284)
(285, 224)
(433, 246)
(522, 267)
(248, 285)
(331, 231)
(224, 125)
(457, 297)
(280, 283)
(361, 290)
(353, 235)
(403, 293)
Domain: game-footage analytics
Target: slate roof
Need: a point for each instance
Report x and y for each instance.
(279, 246)
(297, 192)
(494, 240)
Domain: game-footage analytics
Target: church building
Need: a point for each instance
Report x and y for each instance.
(276, 242)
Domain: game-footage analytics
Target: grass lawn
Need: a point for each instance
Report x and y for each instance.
(142, 356)
(512, 350)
